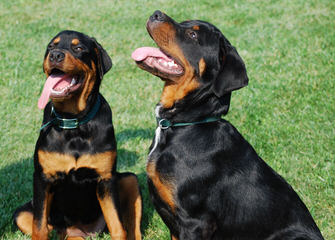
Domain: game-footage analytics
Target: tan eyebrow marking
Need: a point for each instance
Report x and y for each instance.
(57, 40)
(75, 41)
(196, 27)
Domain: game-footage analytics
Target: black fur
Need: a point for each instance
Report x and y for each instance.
(221, 188)
(74, 193)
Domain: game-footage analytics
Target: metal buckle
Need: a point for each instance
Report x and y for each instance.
(164, 123)
(68, 123)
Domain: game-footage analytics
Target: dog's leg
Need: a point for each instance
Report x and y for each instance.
(131, 205)
(108, 199)
(41, 209)
(23, 218)
(197, 228)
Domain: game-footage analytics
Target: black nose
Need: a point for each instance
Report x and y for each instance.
(56, 56)
(158, 16)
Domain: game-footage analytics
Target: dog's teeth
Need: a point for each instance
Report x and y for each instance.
(160, 60)
(165, 64)
(170, 64)
(74, 81)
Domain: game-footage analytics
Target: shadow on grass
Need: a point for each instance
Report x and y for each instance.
(16, 188)
(128, 134)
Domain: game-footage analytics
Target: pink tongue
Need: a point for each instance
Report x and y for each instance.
(142, 53)
(50, 83)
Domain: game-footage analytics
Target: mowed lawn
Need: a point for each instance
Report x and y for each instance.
(287, 112)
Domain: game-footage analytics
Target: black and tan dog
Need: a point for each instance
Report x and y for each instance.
(205, 179)
(77, 191)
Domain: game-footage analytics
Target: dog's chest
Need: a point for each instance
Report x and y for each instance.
(158, 133)
(60, 155)
(54, 163)
(162, 182)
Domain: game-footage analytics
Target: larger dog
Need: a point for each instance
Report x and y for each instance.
(205, 179)
(77, 191)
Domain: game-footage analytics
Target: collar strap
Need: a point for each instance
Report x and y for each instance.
(165, 124)
(72, 123)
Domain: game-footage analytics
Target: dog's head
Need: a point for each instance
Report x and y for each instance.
(192, 56)
(74, 65)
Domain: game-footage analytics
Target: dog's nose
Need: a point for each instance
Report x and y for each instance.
(158, 16)
(56, 56)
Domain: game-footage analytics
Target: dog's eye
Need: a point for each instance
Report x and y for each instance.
(78, 49)
(192, 35)
(51, 46)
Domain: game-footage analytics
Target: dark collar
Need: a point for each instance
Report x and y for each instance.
(72, 123)
(165, 124)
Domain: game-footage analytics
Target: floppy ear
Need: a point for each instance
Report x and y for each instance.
(233, 74)
(104, 61)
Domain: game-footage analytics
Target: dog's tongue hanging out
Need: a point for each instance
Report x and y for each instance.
(142, 53)
(56, 83)
(155, 58)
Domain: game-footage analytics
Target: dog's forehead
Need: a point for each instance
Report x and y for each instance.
(66, 38)
(206, 31)
(198, 25)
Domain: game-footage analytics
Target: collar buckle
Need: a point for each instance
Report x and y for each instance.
(164, 123)
(68, 123)
(72, 123)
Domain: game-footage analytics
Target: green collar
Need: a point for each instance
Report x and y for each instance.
(72, 123)
(165, 124)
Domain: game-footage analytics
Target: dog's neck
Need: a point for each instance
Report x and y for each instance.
(72, 110)
(191, 110)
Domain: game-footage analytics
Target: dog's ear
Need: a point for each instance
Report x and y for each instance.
(104, 61)
(232, 74)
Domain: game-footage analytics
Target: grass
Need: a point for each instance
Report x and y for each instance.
(287, 112)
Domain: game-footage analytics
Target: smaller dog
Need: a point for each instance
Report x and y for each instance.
(77, 190)
(205, 179)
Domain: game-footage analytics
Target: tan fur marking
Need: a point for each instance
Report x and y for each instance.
(178, 87)
(112, 219)
(53, 162)
(75, 41)
(56, 41)
(196, 27)
(25, 222)
(88, 86)
(165, 190)
(173, 238)
(131, 201)
(174, 92)
(202, 66)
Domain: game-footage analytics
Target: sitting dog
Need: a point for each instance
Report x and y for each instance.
(205, 180)
(77, 190)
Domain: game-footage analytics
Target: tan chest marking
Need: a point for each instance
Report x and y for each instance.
(53, 162)
(165, 189)
(177, 89)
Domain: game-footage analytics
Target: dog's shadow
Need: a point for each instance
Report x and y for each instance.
(126, 158)
(128, 134)
(16, 182)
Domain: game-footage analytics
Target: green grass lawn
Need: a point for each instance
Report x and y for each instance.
(287, 112)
